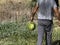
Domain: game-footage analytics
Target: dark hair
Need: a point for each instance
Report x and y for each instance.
(57, 2)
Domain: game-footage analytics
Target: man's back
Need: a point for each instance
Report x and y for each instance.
(45, 9)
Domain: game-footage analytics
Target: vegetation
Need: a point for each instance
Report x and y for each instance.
(13, 18)
(13, 33)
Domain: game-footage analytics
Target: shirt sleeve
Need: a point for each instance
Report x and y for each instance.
(54, 5)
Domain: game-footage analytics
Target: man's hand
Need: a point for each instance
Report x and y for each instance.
(57, 14)
(31, 19)
(58, 17)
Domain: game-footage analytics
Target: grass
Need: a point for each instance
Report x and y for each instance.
(12, 33)
(16, 33)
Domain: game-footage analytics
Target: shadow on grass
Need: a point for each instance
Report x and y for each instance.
(57, 42)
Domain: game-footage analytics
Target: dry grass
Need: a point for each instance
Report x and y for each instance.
(12, 10)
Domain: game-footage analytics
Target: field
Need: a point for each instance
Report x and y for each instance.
(13, 18)
(13, 33)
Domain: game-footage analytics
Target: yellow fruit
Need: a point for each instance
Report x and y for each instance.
(31, 25)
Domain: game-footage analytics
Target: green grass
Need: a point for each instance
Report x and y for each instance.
(17, 34)
(13, 33)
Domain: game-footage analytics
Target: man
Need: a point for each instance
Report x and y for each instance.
(45, 19)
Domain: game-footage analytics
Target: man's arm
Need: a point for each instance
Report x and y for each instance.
(34, 10)
(56, 11)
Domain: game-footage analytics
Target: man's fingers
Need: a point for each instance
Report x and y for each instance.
(58, 17)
